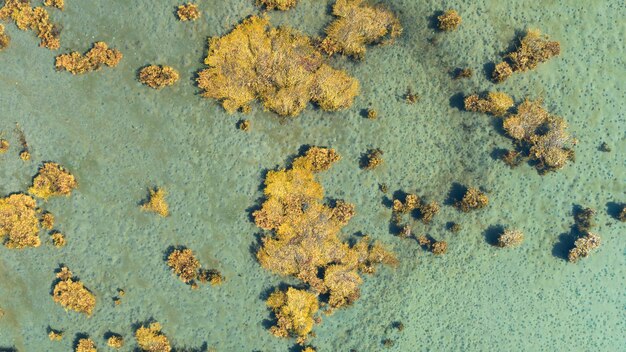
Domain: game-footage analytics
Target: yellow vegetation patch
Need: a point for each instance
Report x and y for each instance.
(52, 180)
(96, 57)
(150, 339)
(472, 200)
(19, 221)
(188, 12)
(58, 239)
(59, 4)
(359, 24)
(32, 18)
(184, 264)
(282, 5)
(4, 42)
(496, 103)
(47, 221)
(157, 77)
(295, 312)
(449, 21)
(55, 335)
(278, 66)
(304, 239)
(72, 294)
(533, 49)
(115, 341)
(156, 202)
(86, 345)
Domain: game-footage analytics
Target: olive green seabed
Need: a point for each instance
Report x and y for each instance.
(119, 138)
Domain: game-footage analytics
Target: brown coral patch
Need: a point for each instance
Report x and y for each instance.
(495, 103)
(72, 294)
(472, 200)
(449, 20)
(357, 25)
(85, 345)
(37, 19)
(533, 49)
(184, 264)
(98, 56)
(278, 66)
(157, 77)
(52, 180)
(188, 12)
(151, 339)
(19, 222)
(295, 311)
(282, 5)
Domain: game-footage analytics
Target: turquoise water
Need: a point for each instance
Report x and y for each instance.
(119, 138)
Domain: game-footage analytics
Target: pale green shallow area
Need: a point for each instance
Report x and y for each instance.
(120, 137)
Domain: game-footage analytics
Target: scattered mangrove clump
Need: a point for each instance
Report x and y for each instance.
(454, 227)
(47, 220)
(532, 50)
(372, 114)
(472, 200)
(244, 125)
(439, 247)
(55, 335)
(151, 339)
(510, 238)
(185, 264)
(295, 313)
(188, 12)
(59, 4)
(496, 103)
(540, 135)
(372, 160)
(357, 25)
(58, 239)
(4, 39)
(282, 5)
(156, 202)
(52, 180)
(583, 246)
(86, 345)
(115, 341)
(449, 20)
(37, 19)
(157, 77)
(278, 66)
(70, 293)
(94, 59)
(19, 222)
(304, 242)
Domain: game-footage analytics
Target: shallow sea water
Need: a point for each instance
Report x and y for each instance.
(119, 138)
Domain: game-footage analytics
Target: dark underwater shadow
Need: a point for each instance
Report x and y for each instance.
(492, 233)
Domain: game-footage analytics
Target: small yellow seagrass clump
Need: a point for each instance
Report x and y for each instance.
(4, 42)
(496, 103)
(52, 180)
(157, 77)
(151, 339)
(19, 222)
(59, 4)
(86, 345)
(73, 295)
(188, 12)
(282, 5)
(156, 202)
(449, 21)
(115, 341)
(98, 56)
